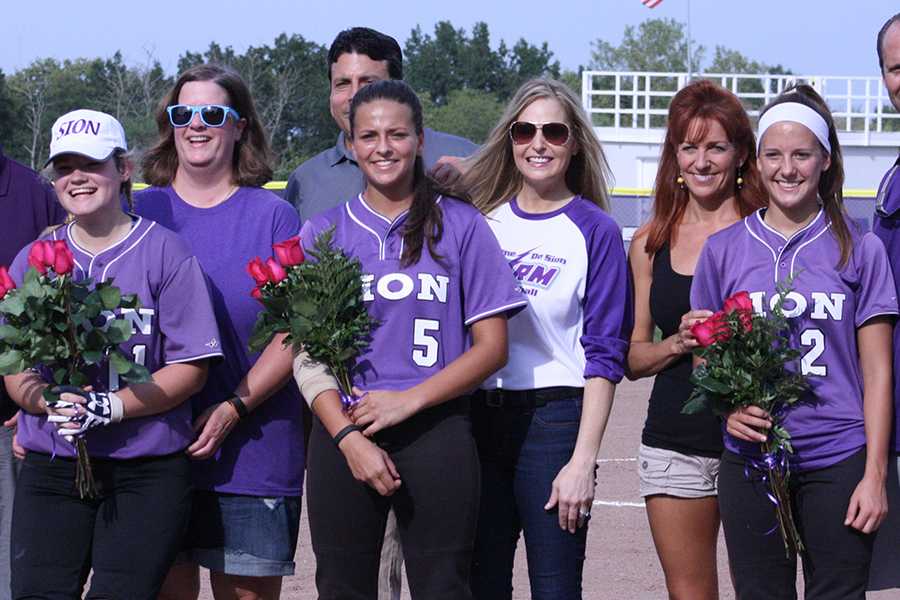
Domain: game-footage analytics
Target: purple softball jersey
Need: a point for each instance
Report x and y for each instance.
(886, 225)
(424, 310)
(264, 454)
(826, 306)
(571, 265)
(175, 324)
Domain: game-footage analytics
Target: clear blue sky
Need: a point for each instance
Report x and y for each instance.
(810, 37)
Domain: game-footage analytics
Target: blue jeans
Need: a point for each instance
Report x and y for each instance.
(521, 451)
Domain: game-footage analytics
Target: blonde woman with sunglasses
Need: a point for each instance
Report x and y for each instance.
(541, 178)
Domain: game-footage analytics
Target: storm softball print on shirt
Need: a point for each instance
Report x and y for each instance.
(423, 310)
(825, 308)
(570, 263)
(175, 324)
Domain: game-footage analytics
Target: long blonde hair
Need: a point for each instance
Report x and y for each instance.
(491, 177)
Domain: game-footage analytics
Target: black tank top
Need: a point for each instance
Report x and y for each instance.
(666, 427)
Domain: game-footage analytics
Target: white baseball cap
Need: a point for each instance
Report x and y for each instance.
(87, 132)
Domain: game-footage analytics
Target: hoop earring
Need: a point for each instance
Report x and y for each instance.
(739, 180)
(680, 181)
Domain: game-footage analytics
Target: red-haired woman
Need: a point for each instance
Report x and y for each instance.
(707, 180)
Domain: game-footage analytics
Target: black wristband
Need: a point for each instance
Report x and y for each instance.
(239, 406)
(345, 432)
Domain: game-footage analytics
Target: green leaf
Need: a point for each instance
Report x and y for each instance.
(13, 305)
(8, 359)
(121, 364)
(695, 404)
(92, 357)
(110, 297)
(137, 374)
(9, 334)
(118, 331)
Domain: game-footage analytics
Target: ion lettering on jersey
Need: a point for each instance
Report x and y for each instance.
(571, 265)
(825, 307)
(423, 310)
(175, 324)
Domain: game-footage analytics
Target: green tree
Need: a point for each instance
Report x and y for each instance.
(655, 45)
(453, 60)
(7, 124)
(468, 113)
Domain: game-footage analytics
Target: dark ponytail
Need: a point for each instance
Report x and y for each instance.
(424, 224)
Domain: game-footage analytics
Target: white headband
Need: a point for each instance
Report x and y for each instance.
(795, 113)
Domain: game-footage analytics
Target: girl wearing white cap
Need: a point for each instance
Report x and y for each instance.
(130, 532)
(841, 308)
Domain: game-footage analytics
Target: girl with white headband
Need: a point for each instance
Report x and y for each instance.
(841, 310)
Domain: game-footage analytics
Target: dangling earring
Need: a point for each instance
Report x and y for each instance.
(740, 177)
(680, 181)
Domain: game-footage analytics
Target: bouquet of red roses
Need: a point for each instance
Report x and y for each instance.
(56, 323)
(318, 303)
(745, 358)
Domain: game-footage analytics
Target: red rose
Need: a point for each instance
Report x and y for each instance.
(258, 271)
(256, 294)
(739, 301)
(6, 282)
(277, 271)
(746, 318)
(36, 257)
(289, 252)
(712, 330)
(63, 260)
(49, 254)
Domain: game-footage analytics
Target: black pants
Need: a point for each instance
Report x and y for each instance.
(436, 508)
(129, 535)
(837, 557)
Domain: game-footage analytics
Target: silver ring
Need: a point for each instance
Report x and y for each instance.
(584, 513)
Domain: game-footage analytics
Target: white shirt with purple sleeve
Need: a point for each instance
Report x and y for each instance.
(175, 324)
(424, 310)
(825, 307)
(571, 265)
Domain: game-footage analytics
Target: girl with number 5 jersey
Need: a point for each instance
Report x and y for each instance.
(841, 308)
(136, 435)
(436, 283)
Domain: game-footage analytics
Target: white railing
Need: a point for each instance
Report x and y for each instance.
(640, 100)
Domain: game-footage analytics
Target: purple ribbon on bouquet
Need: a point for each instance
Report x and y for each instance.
(348, 401)
(776, 461)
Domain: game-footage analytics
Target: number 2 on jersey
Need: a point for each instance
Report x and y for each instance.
(816, 339)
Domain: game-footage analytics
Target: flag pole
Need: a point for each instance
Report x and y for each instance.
(690, 69)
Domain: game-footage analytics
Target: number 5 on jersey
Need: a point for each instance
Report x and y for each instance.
(425, 344)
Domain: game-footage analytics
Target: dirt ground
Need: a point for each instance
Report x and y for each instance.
(621, 561)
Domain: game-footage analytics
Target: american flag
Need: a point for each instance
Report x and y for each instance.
(651, 3)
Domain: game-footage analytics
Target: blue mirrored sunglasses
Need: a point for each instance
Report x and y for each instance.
(212, 115)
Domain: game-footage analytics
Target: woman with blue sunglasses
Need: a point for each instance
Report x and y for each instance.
(207, 169)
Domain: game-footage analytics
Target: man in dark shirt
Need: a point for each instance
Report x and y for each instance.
(27, 206)
(883, 572)
(358, 57)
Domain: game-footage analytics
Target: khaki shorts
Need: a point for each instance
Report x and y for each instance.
(671, 473)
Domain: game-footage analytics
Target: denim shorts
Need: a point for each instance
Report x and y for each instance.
(671, 473)
(243, 535)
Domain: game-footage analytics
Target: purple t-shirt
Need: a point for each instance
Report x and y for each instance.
(826, 306)
(264, 454)
(425, 309)
(886, 225)
(175, 324)
(27, 206)
(571, 265)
